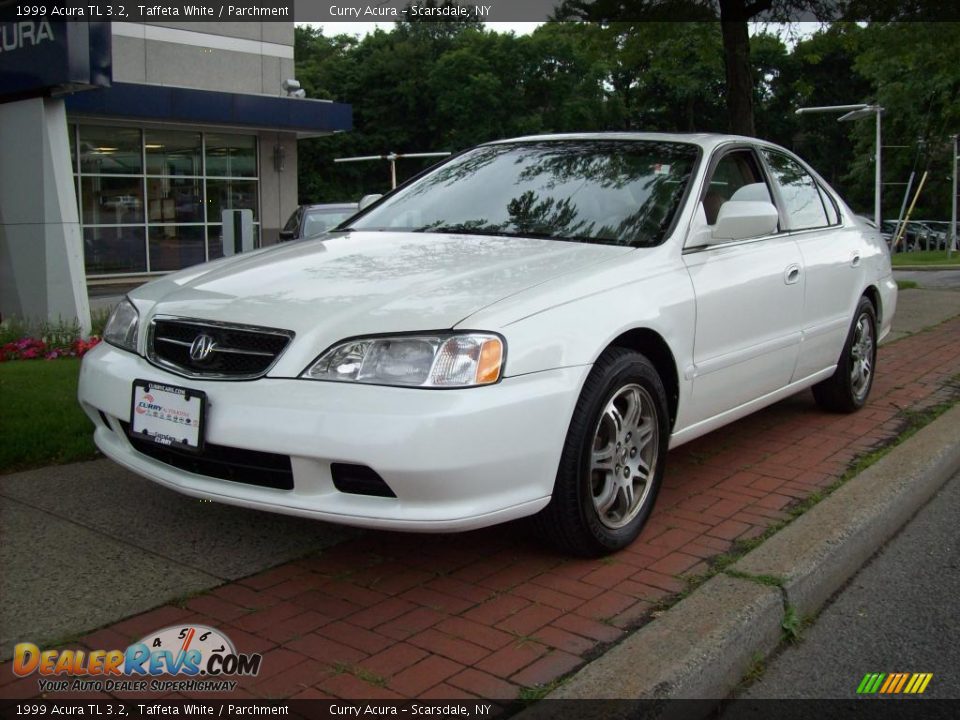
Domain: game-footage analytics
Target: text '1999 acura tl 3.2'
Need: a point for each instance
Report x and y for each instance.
(524, 329)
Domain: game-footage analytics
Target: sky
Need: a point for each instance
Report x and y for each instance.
(364, 28)
(800, 31)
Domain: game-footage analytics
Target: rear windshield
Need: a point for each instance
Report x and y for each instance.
(619, 192)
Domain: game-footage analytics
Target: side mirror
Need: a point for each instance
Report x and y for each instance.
(286, 235)
(368, 200)
(742, 219)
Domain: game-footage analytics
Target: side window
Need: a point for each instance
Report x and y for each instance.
(736, 177)
(801, 196)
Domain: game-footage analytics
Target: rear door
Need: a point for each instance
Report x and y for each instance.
(831, 260)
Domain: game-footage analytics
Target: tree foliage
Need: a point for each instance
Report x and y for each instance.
(425, 87)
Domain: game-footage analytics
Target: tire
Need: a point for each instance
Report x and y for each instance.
(847, 390)
(604, 463)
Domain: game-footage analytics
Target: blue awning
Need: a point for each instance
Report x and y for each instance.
(132, 101)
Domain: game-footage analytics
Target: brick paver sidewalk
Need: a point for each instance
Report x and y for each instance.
(488, 613)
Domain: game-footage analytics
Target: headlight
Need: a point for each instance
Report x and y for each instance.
(121, 328)
(451, 360)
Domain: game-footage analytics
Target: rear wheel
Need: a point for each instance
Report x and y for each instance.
(613, 458)
(848, 388)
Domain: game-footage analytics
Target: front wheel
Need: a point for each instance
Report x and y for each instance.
(613, 458)
(847, 389)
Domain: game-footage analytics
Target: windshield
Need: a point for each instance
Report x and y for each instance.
(622, 192)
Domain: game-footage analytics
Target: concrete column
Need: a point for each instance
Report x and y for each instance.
(278, 188)
(41, 248)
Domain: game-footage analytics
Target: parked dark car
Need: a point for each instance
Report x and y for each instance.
(310, 221)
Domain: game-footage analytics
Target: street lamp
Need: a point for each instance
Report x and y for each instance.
(856, 112)
(953, 200)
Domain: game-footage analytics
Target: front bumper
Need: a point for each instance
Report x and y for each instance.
(456, 459)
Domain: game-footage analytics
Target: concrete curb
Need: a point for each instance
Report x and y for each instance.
(818, 552)
(698, 649)
(705, 644)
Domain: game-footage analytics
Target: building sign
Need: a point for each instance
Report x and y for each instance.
(41, 57)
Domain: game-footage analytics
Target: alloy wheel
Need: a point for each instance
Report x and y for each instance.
(861, 356)
(624, 456)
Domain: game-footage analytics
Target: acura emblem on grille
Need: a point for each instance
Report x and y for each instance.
(201, 347)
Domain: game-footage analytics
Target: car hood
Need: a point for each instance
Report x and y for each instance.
(362, 283)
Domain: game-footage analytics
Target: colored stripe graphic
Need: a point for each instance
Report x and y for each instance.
(870, 683)
(903, 680)
(894, 683)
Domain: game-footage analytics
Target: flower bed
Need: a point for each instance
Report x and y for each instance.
(29, 348)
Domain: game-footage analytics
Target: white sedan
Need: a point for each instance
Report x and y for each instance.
(523, 330)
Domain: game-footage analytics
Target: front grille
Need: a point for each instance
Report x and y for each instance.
(226, 352)
(219, 461)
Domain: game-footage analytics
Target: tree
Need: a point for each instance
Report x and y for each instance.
(734, 17)
(819, 71)
(913, 68)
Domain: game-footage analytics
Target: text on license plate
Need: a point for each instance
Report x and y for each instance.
(167, 414)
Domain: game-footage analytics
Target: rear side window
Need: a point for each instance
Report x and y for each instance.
(833, 215)
(800, 193)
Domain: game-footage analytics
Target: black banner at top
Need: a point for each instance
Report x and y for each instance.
(334, 11)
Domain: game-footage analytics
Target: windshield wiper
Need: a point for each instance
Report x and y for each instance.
(456, 230)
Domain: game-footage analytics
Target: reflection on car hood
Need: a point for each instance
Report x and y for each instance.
(364, 282)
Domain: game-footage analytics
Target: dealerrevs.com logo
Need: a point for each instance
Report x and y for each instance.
(178, 658)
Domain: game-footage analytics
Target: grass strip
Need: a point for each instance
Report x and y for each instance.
(41, 422)
(925, 257)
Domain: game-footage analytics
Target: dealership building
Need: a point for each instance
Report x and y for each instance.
(124, 147)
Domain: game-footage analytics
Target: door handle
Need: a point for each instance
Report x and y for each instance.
(791, 274)
(855, 260)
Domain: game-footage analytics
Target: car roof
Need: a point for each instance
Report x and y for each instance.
(331, 206)
(707, 141)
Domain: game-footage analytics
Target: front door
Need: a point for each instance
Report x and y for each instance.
(749, 297)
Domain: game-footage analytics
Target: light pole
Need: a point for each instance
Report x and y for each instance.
(953, 202)
(855, 112)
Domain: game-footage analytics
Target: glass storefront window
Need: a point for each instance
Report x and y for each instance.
(173, 247)
(231, 155)
(177, 200)
(170, 152)
(110, 150)
(114, 250)
(151, 200)
(111, 200)
(230, 195)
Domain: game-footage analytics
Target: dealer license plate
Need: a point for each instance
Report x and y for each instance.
(168, 415)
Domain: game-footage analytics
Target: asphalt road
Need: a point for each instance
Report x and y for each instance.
(900, 613)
